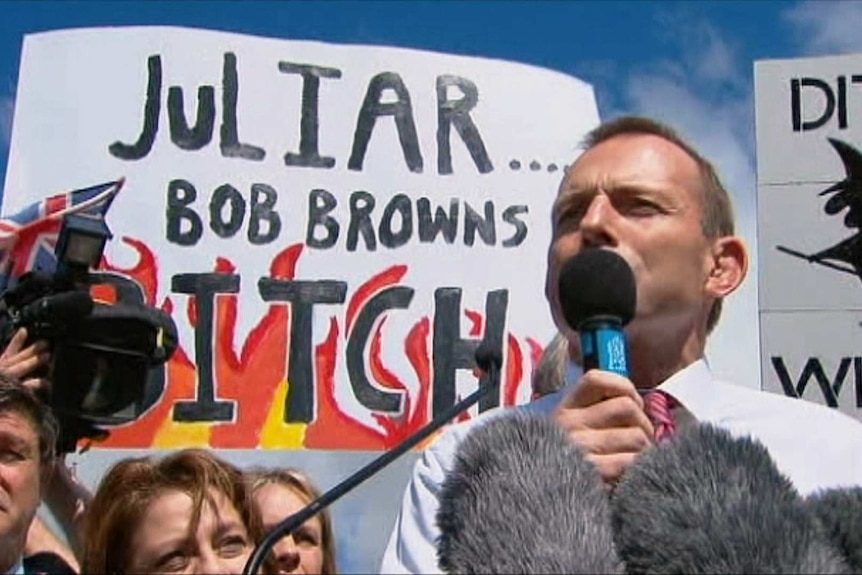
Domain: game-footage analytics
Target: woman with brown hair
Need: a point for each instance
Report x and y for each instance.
(279, 493)
(188, 512)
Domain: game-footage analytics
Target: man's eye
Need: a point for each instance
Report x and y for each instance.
(570, 217)
(642, 207)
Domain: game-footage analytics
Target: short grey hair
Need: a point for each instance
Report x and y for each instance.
(550, 374)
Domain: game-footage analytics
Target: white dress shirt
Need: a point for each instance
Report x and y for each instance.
(814, 446)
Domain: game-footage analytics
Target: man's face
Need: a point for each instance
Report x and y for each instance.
(640, 196)
(20, 479)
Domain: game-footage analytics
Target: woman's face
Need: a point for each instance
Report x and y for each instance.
(301, 552)
(166, 543)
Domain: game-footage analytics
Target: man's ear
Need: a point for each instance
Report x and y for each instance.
(728, 266)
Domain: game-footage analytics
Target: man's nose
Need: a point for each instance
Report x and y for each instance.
(286, 555)
(597, 228)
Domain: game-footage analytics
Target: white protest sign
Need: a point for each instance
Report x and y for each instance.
(334, 228)
(809, 133)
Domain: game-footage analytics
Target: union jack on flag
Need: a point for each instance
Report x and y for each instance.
(27, 239)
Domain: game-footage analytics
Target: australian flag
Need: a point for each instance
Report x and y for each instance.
(27, 239)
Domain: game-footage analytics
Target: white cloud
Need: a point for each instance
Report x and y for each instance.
(705, 55)
(719, 59)
(826, 28)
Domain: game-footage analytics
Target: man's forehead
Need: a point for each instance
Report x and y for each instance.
(632, 141)
(645, 149)
(17, 422)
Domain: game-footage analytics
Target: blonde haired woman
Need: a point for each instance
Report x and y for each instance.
(279, 493)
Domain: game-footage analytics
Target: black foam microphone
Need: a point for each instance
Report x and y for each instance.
(705, 502)
(598, 296)
(521, 498)
(840, 513)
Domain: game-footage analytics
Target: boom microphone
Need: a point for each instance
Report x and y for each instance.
(488, 357)
(705, 502)
(840, 513)
(598, 297)
(521, 498)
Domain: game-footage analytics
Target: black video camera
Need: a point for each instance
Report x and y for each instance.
(102, 353)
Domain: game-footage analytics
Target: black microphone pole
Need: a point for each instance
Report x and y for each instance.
(488, 359)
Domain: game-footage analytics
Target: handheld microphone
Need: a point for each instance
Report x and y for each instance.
(598, 296)
(521, 498)
(488, 358)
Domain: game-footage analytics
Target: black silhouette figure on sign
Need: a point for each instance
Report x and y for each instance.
(846, 255)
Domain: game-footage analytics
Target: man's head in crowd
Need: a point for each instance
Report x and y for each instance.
(28, 435)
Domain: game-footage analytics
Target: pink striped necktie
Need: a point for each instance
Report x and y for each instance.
(657, 405)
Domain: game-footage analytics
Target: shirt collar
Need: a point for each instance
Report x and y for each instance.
(697, 390)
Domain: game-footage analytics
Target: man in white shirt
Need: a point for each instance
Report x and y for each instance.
(641, 191)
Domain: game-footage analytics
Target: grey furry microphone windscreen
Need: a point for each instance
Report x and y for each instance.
(521, 499)
(840, 513)
(706, 502)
